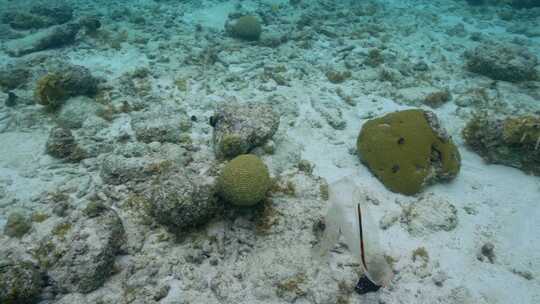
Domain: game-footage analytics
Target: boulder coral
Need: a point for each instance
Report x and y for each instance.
(246, 28)
(244, 180)
(407, 150)
(502, 62)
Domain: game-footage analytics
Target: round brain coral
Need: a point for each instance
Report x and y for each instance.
(244, 181)
(408, 149)
(247, 27)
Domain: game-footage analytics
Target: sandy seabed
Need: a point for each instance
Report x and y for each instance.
(176, 54)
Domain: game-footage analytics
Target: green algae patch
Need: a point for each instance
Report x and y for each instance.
(17, 225)
(244, 181)
(408, 149)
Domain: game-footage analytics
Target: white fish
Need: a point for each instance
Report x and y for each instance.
(348, 215)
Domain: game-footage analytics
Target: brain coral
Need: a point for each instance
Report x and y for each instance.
(247, 28)
(408, 149)
(244, 181)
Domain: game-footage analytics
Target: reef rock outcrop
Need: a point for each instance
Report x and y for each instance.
(502, 62)
(238, 128)
(511, 141)
(20, 281)
(80, 253)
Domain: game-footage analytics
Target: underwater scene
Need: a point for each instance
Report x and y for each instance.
(270, 151)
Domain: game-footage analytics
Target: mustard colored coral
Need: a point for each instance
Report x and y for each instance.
(244, 180)
(50, 91)
(406, 150)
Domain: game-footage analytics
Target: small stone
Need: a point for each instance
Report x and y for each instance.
(162, 292)
(305, 166)
(11, 100)
(487, 252)
(439, 278)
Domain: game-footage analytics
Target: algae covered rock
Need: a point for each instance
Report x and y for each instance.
(180, 200)
(54, 37)
(76, 110)
(502, 62)
(12, 77)
(80, 253)
(54, 88)
(161, 124)
(244, 181)
(118, 169)
(17, 225)
(238, 128)
(20, 282)
(38, 16)
(246, 27)
(407, 150)
(61, 144)
(511, 141)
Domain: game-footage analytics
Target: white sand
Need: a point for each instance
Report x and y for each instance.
(505, 201)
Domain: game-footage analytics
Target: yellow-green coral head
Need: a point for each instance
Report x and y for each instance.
(244, 180)
(408, 149)
(50, 91)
